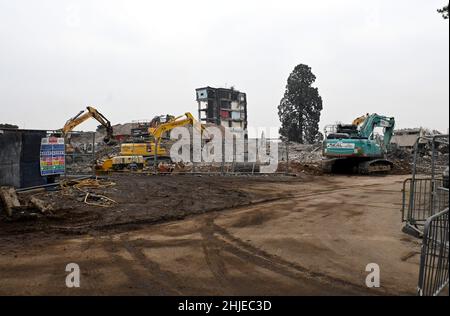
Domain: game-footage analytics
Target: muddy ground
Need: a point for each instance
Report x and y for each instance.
(213, 235)
(141, 199)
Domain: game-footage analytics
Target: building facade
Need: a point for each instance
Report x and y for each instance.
(223, 107)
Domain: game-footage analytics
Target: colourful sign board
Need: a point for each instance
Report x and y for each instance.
(52, 156)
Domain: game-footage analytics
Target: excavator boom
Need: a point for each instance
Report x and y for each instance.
(91, 113)
(176, 122)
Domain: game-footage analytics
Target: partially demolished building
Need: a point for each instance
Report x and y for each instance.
(223, 107)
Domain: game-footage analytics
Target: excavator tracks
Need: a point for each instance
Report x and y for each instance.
(356, 166)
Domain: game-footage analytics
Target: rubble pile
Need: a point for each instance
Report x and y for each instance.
(403, 159)
(67, 194)
(89, 191)
(303, 158)
(305, 153)
(424, 162)
(79, 165)
(103, 151)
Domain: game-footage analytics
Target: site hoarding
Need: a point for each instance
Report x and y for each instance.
(52, 156)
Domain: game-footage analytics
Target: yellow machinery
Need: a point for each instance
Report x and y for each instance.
(158, 133)
(133, 155)
(91, 113)
(141, 149)
(121, 163)
(130, 162)
(359, 120)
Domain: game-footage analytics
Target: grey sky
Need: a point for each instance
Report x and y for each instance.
(137, 59)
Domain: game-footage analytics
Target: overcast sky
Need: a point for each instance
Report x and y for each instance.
(137, 59)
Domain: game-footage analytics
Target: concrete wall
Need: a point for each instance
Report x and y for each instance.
(404, 140)
(19, 158)
(10, 152)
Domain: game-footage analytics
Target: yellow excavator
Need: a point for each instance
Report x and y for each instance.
(158, 133)
(134, 156)
(85, 115)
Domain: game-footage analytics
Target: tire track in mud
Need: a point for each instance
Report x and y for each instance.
(90, 277)
(90, 270)
(218, 257)
(145, 243)
(166, 279)
(213, 257)
(250, 254)
(155, 282)
(135, 278)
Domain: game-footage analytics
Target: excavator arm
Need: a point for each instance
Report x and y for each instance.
(152, 147)
(91, 113)
(176, 122)
(374, 120)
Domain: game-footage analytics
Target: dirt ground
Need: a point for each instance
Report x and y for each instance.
(213, 235)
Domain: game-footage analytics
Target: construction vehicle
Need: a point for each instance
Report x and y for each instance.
(138, 154)
(127, 162)
(157, 133)
(81, 117)
(117, 163)
(161, 119)
(356, 147)
(140, 130)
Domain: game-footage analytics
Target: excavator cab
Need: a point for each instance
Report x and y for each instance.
(161, 119)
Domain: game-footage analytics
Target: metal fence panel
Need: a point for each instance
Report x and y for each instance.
(422, 198)
(244, 157)
(434, 264)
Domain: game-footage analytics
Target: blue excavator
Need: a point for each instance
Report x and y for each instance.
(357, 147)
